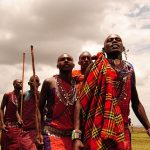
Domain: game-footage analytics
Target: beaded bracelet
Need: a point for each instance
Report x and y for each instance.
(148, 130)
(76, 134)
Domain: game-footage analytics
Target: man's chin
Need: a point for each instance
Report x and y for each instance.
(115, 52)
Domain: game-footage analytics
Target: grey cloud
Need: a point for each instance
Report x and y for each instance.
(147, 26)
(140, 11)
(52, 26)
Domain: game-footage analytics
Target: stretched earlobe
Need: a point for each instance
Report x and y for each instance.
(103, 50)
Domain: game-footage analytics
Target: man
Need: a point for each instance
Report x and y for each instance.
(9, 120)
(124, 89)
(29, 131)
(85, 59)
(125, 84)
(59, 94)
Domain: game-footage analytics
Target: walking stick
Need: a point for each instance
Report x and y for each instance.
(37, 119)
(21, 103)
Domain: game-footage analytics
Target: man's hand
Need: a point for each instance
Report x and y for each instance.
(77, 145)
(20, 121)
(148, 132)
(4, 128)
(39, 139)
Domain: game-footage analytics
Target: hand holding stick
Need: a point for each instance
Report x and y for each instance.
(38, 127)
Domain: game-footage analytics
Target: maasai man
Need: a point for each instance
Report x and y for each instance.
(123, 78)
(85, 59)
(125, 84)
(59, 94)
(9, 120)
(28, 135)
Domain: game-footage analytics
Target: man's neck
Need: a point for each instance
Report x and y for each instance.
(114, 56)
(66, 76)
(17, 92)
(83, 70)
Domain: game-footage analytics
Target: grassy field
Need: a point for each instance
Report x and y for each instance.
(140, 140)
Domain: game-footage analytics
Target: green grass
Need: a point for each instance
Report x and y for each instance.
(140, 139)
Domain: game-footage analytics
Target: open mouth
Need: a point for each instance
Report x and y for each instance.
(66, 66)
(115, 46)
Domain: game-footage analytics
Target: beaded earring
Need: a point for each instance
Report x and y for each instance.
(125, 52)
(103, 51)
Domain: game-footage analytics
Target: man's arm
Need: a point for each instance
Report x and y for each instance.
(43, 98)
(3, 105)
(77, 143)
(138, 107)
(77, 115)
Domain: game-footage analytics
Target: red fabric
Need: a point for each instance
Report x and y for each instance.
(28, 134)
(10, 140)
(28, 113)
(101, 113)
(63, 143)
(76, 73)
(125, 103)
(61, 116)
(11, 107)
(27, 141)
(79, 77)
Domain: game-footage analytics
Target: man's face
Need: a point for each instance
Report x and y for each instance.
(17, 84)
(85, 59)
(113, 44)
(65, 62)
(31, 82)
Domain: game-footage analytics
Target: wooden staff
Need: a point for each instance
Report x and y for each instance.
(37, 119)
(21, 103)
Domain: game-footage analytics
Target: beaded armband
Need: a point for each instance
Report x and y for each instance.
(148, 130)
(76, 134)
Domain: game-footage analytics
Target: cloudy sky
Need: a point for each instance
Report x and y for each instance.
(57, 26)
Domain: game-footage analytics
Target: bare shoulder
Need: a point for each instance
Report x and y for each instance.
(5, 96)
(4, 100)
(49, 82)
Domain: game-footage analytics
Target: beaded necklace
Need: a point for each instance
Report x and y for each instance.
(124, 70)
(67, 97)
(14, 99)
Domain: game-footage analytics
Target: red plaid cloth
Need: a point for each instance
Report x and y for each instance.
(102, 121)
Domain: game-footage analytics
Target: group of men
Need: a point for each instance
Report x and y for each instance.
(77, 109)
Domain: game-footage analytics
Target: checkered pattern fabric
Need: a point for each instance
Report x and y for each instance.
(102, 121)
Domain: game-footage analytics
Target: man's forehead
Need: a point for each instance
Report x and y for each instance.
(113, 36)
(85, 54)
(36, 78)
(64, 56)
(17, 81)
